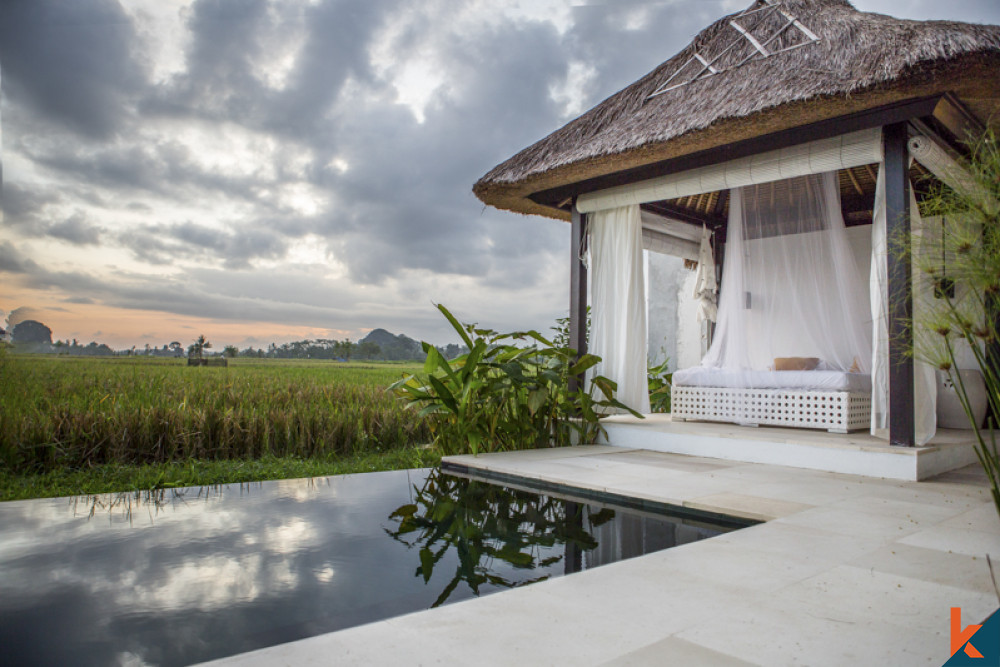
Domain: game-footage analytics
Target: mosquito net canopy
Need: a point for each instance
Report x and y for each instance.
(791, 288)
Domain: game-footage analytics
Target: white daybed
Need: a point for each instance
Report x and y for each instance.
(832, 400)
(790, 286)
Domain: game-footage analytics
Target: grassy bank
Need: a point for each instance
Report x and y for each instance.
(65, 417)
(115, 477)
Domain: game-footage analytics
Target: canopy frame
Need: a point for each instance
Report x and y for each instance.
(941, 116)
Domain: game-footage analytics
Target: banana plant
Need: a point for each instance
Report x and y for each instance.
(510, 391)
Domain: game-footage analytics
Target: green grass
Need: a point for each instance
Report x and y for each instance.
(72, 417)
(115, 477)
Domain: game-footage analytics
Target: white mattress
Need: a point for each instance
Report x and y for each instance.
(801, 380)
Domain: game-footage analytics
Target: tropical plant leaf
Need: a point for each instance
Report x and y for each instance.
(426, 564)
(585, 363)
(456, 326)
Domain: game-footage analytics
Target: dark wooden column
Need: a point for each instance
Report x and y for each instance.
(577, 290)
(900, 285)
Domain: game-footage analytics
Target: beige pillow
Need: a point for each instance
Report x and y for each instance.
(795, 363)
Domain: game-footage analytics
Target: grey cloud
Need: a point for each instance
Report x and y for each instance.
(973, 11)
(412, 206)
(164, 244)
(236, 247)
(336, 48)
(23, 313)
(13, 261)
(71, 61)
(231, 38)
(25, 209)
(23, 204)
(77, 230)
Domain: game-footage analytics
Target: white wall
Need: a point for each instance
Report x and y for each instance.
(674, 331)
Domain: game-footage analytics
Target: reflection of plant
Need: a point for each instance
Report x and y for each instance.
(962, 261)
(659, 381)
(500, 396)
(485, 525)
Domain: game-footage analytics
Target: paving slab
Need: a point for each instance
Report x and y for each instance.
(844, 570)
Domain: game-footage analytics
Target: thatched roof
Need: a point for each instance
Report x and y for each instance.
(860, 61)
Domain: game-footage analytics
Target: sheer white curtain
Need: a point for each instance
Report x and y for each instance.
(618, 310)
(880, 314)
(790, 284)
(924, 381)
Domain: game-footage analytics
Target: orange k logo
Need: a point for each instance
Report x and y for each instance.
(959, 637)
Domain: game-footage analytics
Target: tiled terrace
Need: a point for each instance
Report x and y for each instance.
(845, 570)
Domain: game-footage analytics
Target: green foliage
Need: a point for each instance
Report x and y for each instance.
(369, 349)
(560, 332)
(500, 396)
(199, 346)
(659, 381)
(486, 525)
(70, 412)
(117, 477)
(961, 259)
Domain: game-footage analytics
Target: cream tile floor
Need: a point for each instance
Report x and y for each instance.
(845, 570)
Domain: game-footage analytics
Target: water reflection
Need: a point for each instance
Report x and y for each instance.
(177, 576)
(505, 537)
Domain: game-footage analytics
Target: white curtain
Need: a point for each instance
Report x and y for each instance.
(618, 311)
(880, 314)
(924, 382)
(790, 284)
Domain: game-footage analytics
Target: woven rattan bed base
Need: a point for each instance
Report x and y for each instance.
(834, 411)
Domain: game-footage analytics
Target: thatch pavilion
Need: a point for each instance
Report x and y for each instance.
(783, 88)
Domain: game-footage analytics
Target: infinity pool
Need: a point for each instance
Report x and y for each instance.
(179, 576)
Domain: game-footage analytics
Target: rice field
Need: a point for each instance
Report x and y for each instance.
(73, 412)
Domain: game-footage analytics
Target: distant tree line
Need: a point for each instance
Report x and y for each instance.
(379, 344)
(341, 350)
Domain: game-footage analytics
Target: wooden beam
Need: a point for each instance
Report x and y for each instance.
(956, 120)
(720, 205)
(892, 113)
(900, 293)
(577, 291)
(685, 215)
(854, 181)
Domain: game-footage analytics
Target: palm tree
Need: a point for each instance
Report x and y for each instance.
(200, 345)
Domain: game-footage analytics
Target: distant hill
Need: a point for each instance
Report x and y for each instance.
(393, 346)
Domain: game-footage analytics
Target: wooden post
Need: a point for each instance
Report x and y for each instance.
(900, 286)
(577, 291)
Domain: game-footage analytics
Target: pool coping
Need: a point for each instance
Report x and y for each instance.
(845, 569)
(729, 521)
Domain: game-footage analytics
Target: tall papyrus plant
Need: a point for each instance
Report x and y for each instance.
(960, 257)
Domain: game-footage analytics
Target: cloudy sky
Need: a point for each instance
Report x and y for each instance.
(269, 170)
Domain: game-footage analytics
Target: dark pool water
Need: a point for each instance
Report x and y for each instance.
(180, 576)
